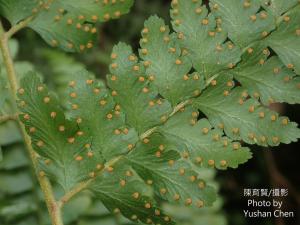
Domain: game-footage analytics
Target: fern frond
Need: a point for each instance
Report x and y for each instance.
(200, 143)
(67, 24)
(133, 91)
(285, 41)
(191, 97)
(244, 119)
(62, 145)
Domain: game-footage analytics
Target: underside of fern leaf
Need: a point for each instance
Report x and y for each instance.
(67, 24)
(190, 100)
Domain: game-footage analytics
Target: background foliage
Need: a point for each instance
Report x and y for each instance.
(22, 204)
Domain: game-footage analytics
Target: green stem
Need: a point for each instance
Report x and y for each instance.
(5, 118)
(53, 208)
(175, 110)
(83, 185)
(18, 27)
(56, 215)
(70, 194)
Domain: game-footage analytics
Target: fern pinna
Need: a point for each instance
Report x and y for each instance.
(193, 98)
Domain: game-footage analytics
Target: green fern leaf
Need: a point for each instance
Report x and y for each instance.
(15, 10)
(133, 91)
(206, 147)
(157, 99)
(64, 148)
(269, 79)
(202, 37)
(173, 178)
(99, 117)
(86, 147)
(167, 63)
(243, 21)
(285, 41)
(122, 191)
(242, 118)
(278, 7)
(67, 24)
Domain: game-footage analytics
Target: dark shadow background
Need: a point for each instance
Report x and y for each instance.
(276, 168)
